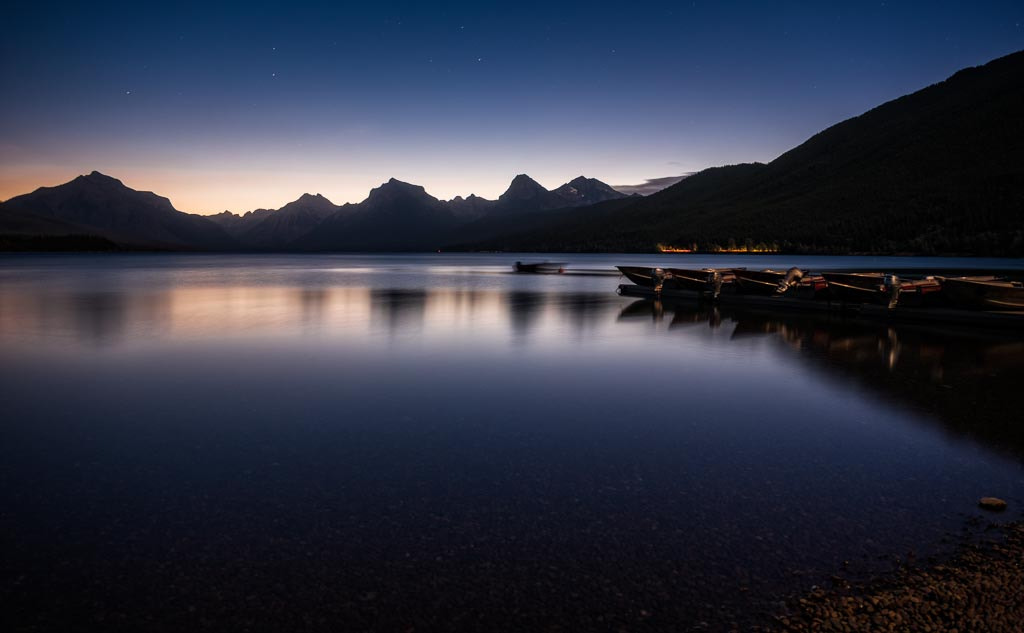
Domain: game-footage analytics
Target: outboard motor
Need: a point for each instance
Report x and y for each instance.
(793, 277)
(715, 280)
(892, 284)
(658, 275)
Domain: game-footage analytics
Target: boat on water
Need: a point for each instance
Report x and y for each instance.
(983, 293)
(978, 301)
(643, 275)
(792, 282)
(693, 280)
(699, 280)
(540, 268)
(882, 288)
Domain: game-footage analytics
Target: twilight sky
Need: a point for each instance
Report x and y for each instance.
(250, 104)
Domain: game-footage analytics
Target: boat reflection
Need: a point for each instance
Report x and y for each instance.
(682, 313)
(965, 379)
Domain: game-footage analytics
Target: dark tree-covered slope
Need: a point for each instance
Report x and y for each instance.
(937, 171)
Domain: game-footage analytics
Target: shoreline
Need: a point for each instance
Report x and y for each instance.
(978, 589)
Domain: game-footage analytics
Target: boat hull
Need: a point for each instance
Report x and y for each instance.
(790, 283)
(643, 276)
(540, 268)
(858, 287)
(760, 282)
(878, 288)
(699, 280)
(983, 294)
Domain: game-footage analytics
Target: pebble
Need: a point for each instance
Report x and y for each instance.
(979, 590)
(992, 503)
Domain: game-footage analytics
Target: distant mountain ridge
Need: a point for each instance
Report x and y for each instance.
(940, 170)
(585, 191)
(395, 216)
(98, 205)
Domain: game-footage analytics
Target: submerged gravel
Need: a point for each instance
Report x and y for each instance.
(981, 589)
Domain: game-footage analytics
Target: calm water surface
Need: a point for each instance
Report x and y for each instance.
(432, 443)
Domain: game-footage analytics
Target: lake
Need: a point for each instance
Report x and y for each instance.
(430, 442)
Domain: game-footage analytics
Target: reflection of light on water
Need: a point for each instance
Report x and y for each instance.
(183, 312)
(454, 315)
(351, 269)
(429, 270)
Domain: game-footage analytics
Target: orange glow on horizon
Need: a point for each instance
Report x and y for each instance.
(206, 191)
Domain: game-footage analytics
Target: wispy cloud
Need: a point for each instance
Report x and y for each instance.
(651, 185)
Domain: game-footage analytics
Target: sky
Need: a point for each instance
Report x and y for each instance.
(246, 105)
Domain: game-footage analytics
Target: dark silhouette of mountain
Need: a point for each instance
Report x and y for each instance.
(277, 229)
(401, 217)
(233, 222)
(527, 205)
(472, 207)
(525, 194)
(54, 243)
(102, 206)
(17, 223)
(511, 232)
(396, 216)
(583, 191)
(937, 171)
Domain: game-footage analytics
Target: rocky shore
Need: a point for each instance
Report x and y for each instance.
(981, 589)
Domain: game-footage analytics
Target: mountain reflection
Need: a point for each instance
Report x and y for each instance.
(524, 311)
(100, 317)
(399, 309)
(313, 303)
(966, 380)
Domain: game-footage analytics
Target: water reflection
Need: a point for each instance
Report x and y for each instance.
(399, 309)
(103, 319)
(398, 436)
(524, 310)
(965, 379)
(313, 305)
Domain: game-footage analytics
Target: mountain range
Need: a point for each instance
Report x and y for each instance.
(396, 216)
(938, 171)
(101, 206)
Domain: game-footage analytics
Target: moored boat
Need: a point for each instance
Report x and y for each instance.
(919, 292)
(542, 268)
(983, 292)
(881, 288)
(792, 282)
(699, 280)
(643, 276)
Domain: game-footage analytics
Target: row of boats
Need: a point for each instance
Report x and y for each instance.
(982, 292)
